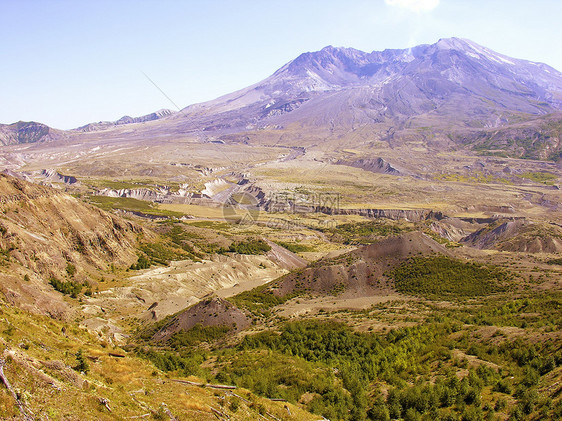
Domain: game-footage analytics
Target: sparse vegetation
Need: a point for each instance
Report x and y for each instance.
(260, 300)
(70, 269)
(539, 177)
(477, 178)
(162, 253)
(196, 335)
(295, 247)
(250, 246)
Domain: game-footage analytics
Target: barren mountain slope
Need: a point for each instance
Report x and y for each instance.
(27, 132)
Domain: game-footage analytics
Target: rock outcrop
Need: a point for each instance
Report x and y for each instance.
(519, 235)
(412, 215)
(53, 176)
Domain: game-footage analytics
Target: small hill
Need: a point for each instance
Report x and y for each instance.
(357, 273)
(519, 235)
(208, 313)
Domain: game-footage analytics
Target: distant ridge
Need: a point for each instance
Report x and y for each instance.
(101, 125)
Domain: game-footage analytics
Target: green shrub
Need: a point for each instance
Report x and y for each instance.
(82, 365)
(442, 276)
(142, 263)
(196, 335)
(260, 300)
(70, 269)
(186, 363)
(71, 288)
(294, 247)
(365, 232)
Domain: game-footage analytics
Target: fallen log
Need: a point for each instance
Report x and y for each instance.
(143, 405)
(105, 402)
(214, 386)
(239, 397)
(219, 414)
(272, 416)
(168, 412)
(153, 411)
(20, 404)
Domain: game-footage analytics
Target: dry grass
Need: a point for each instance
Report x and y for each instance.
(131, 385)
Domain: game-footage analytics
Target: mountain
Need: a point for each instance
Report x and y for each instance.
(27, 132)
(347, 87)
(102, 125)
(448, 94)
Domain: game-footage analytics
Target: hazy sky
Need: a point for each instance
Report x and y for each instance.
(68, 63)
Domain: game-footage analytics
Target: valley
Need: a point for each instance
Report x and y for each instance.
(359, 236)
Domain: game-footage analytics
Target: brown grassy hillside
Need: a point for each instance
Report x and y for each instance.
(47, 234)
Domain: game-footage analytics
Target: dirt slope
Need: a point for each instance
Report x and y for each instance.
(518, 236)
(284, 258)
(213, 311)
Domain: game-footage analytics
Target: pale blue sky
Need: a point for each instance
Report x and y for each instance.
(67, 63)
